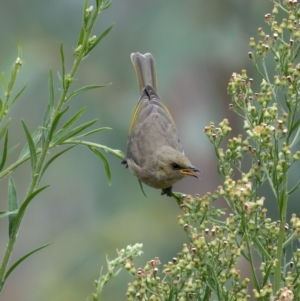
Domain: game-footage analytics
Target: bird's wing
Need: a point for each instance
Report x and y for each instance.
(152, 127)
(149, 103)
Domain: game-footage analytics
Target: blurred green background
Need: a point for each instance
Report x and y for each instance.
(197, 45)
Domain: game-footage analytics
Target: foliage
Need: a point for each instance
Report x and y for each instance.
(125, 256)
(49, 134)
(207, 267)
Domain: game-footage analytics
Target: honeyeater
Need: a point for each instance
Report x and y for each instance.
(154, 152)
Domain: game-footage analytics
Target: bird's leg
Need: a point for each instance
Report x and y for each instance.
(167, 191)
(125, 163)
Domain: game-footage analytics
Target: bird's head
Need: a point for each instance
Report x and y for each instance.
(170, 165)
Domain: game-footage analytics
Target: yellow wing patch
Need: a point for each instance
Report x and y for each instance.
(137, 111)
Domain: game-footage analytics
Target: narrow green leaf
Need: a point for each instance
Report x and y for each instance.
(19, 50)
(22, 259)
(3, 82)
(45, 122)
(295, 126)
(13, 76)
(51, 90)
(93, 132)
(1, 104)
(12, 148)
(27, 202)
(55, 122)
(81, 36)
(68, 124)
(18, 95)
(266, 278)
(105, 162)
(75, 131)
(12, 203)
(36, 137)
(6, 213)
(115, 152)
(261, 248)
(83, 89)
(296, 187)
(62, 58)
(4, 128)
(297, 135)
(142, 188)
(3, 159)
(104, 33)
(60, 78)
(49, 109)
(85, 6)
(32, 149)
(84, 23)
(245, 255)
(53, 158)
(106, 5)
(290, 239)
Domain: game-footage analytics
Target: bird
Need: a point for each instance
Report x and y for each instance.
(154, 151)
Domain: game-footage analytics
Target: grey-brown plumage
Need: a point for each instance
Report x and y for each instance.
(154, 151)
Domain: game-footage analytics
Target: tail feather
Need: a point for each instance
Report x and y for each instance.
(144, 65)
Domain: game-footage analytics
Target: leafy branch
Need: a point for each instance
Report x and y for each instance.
(49, 135)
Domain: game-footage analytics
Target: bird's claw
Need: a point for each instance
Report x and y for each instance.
(125, 163)
(167, 191)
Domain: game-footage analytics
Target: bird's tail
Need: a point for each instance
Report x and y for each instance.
(144, 65)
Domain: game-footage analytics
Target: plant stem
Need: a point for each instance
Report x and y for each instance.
(252, 265)
(283, 209)
(35, 178)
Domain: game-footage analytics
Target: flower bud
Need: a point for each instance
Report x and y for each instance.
(261, 32)
(244, 74)
(296, 156)
(291, 15)
(276, 80)
(256, 294)
(290, 68)
(275, 10)
(252, 43)
(78, 49)
(92, 40)
(88, 13)
(290, 25)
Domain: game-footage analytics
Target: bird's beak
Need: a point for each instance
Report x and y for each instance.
(191, 171)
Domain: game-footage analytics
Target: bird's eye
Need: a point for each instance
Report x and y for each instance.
(175, 166)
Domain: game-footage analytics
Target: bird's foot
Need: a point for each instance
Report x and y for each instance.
(167, 191)
(125, 163)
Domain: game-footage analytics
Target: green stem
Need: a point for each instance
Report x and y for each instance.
(15, 165)
(281, 7)
(254, 277)
(269, 179)
(281, 236)
(35, 179)
(296, 138)
(274, 93)
(4, 106)
(8, 90)
(259, 72)
(115, 152)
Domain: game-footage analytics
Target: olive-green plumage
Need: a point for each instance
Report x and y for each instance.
(154, 152)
